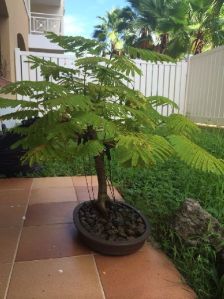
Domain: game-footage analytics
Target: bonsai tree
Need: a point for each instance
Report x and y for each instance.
(90, 110)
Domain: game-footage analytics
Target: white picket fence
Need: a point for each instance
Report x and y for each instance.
(196, 86)
(165, 79)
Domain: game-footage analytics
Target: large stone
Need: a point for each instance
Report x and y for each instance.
(195, 225)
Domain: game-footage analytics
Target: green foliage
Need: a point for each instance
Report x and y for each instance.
(180, 125)
(195, 156)
(181, 27)
(146, 54)
(90, 110)
(160, 101)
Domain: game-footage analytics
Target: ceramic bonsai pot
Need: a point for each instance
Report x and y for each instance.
(107, 245)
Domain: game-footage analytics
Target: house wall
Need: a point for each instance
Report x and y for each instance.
(17, 22)
(48, 9)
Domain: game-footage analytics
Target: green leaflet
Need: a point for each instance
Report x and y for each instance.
(20, 115)
(78, 102)
(146, 54)
(9, 103)
(33, 88)
(180, 125)
(142, 150)
(195, 156)
(160, 101)
(91, 148)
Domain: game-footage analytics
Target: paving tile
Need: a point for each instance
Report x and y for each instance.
(8, 242)
(4, 277)
(50, 213)
(13, 196)
(52, 195)
(83, 194)
(11, 215)
(15, 183)
(67, 278)
(148, 274)
(49, 241)
(80, 181)
(50, 182)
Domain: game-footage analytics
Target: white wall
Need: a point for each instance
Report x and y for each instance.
(205, 87)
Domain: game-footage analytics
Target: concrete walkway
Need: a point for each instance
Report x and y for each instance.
(41, 255)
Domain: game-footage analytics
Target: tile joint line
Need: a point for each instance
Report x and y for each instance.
(17, 244)
(98, 275)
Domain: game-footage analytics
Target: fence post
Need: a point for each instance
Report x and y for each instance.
(186, 91)
(18, 64)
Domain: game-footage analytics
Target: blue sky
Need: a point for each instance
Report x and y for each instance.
(81, 15)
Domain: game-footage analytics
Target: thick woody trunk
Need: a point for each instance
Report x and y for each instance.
(198, 43)
(164, 39)
(101, 176)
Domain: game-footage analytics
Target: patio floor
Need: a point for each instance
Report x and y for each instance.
(41, 255)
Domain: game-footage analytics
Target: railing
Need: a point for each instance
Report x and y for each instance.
(41, 23)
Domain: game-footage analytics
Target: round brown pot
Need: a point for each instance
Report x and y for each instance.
(110, 247)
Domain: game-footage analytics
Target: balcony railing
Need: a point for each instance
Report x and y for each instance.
(41, 23)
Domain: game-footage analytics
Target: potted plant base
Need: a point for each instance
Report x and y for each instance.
(121, 232)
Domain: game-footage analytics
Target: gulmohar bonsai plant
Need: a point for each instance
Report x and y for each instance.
(90, 111)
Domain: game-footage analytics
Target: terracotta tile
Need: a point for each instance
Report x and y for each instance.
(50, 182)
(49, 241)
(50, 213)
(14, 197)
(15, 183)
(52, 195)
(8, 240)
(11, 215)
(83, 195)
(148, 274)
(68, 278)
(4, 278)
(80, 181)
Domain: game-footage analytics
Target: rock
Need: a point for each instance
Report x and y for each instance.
(193, 224)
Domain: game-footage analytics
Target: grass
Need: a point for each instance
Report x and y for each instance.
(158, 193)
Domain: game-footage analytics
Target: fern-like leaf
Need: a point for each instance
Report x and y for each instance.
(146, 54)
(178, 124)
(157, 101)
(196, 157)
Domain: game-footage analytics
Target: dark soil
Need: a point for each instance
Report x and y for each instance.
(121, 224)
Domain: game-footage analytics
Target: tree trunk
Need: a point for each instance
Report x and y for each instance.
(198, 43)
(101, 176)
(164, 39)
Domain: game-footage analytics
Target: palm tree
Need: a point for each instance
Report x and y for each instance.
(180, 26)
(116, 26)
(206, 24)
(160, 19)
